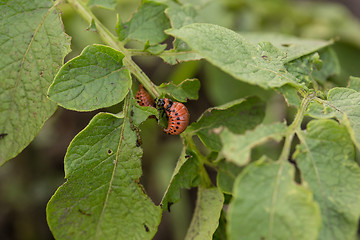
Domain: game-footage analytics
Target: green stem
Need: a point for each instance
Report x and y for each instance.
(295, 126)
(112, 41)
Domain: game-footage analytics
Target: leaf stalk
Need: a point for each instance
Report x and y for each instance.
(112, 41)
(295, 126)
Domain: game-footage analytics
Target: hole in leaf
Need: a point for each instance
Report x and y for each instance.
(109, 151)
(146, 228)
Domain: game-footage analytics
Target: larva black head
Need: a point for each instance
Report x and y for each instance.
(160, 102)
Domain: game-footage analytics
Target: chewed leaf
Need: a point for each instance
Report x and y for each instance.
(33, 46)
(185, 175)
(102, 198)
(325, 158)
(237, 148)
(317, 66)
(261, 65)
(294, 47)
(268, 204)
(188, 89)
(93, 80)
(238, 116)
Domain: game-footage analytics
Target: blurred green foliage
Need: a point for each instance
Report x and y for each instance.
(27, 182)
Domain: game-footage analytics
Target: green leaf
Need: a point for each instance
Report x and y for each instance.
(140, 114)
(175, 56)
(238, 116)
(326, 161)
(33, 46)
(293, 47)
(222, 88)
(188, 89)
(102, 197)
(220, 233)
(317, 66)
(262, 65)
(290, 94)
(109, 4)
(354, 83)
(319, 111)
(93, 80)
(346, 103)
(206, 216)
(155, 49)
(226, 176)
(330, 65)
(237, 148)
(268, 204)
(147, 24)
(181, 15)
(185, 175)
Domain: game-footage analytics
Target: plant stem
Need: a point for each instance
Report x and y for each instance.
(112, 41)
(295, 126)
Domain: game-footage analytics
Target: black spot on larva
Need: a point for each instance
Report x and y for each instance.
(178, 123)
(174, 130)
(174, 110)
(109, 151)
(177, 127)
(178, 118)
(146, 228)
(176, 114)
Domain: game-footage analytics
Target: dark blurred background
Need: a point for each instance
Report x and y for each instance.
(28, 181)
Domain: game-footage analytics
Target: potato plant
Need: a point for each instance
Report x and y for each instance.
(258, 175)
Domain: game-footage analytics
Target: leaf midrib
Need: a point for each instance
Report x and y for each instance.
(114, 169)
(323, 198)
